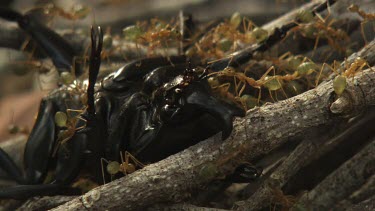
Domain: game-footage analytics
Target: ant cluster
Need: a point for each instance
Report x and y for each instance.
(284, 76)
(227, 37)
(151, 38)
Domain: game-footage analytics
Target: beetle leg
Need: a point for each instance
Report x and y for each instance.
(70, 159)
(135, 119)
(217, 109)
(40, 143)
(245, 173)
(27, 191)
(8, 165)
(96, 49)
(56, 47)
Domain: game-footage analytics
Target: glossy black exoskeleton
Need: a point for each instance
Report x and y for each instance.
(152, 108)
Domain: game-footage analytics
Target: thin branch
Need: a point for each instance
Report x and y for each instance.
(346, 179)
(362, 194)
(366, 205)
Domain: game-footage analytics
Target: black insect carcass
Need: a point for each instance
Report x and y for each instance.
(151, 108)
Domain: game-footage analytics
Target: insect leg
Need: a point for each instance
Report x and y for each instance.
(8, 165)
(40, 143)
(27, 191)
(96, 49)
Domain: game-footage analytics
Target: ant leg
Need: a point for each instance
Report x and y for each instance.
(270, 93)
(259, 95)
(236, 85)
(363, 31)
(102, 160)
(126, 166)
(282, 89)
(124, 163)
(316, 44)
(321, 71)
(242, 89)
(266, 73)
(285, 55)
(135, 160)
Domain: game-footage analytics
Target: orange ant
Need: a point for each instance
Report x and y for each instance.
(125, 167)
(272, 83)
(77, 12)
(317, 27)
(301, 67)
(160, 34)
(222, 90)
(366, 17)
(70, 119)
(339, 83)
(51, 10)
(113, 46)
(154, 35)
(226, 38)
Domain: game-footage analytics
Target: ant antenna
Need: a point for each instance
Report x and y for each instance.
(189, 69)
(205, 73)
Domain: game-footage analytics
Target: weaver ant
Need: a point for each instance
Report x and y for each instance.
(339, 82)
(315, 27)
(125, 167)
